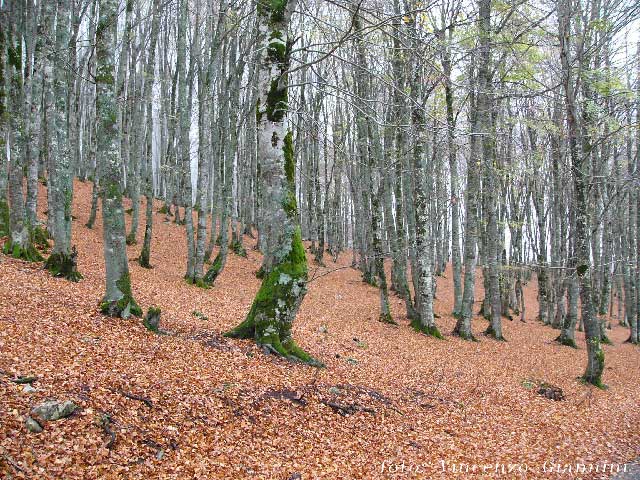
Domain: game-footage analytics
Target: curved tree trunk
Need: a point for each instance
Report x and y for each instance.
(285, 268)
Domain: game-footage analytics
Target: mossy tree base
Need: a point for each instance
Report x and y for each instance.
(275, 306)
(126, 305)
(63, 265)
(143, 259)
(28, 253)
(458, 332)
(272, 343)
(198, 282)
(123, 308)
(595, 364)
(237, 248)
(432, 331)
(490, 332)
(387, 318)
(214, 270)
(566, 341)
(151, 320)
(131, 239)
(595, 381)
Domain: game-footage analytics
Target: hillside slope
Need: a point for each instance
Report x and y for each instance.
(221, 408)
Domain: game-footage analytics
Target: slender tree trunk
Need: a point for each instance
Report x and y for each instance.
(595, 354)
(19, 244)
(118, 299)
(145, 253)
(62, 261)
(455, 183)
(463, 325)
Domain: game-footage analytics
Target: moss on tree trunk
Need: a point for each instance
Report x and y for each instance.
(276, 304)
(62, 265)
(285, 267)
(28, 253)
(126, 305)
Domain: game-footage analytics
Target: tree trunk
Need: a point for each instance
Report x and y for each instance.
(595, 354)
(118, 299)
(19, 244)
(285, 270)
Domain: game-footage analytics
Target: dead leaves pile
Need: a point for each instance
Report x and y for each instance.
(193, 404)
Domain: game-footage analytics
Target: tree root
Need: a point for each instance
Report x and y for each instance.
(387, 318)
(105, 423)
(431, 331)
(28, 253)
(347, 409)
(63, 265)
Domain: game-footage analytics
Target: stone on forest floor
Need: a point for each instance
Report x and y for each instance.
(28, 388)
(630, 471)
(152, 319)
(53, 410)
(32, 425)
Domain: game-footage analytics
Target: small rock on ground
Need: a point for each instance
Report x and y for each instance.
(53, 410)
(28, 389)
(32, 425)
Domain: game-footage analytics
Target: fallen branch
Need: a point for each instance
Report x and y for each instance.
(23, 380)
(349, 409)
(291, 395)
(145, 400)
(374, 394)
(105, 423)
(9, 459)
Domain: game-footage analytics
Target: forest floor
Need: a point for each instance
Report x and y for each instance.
(390, 403)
